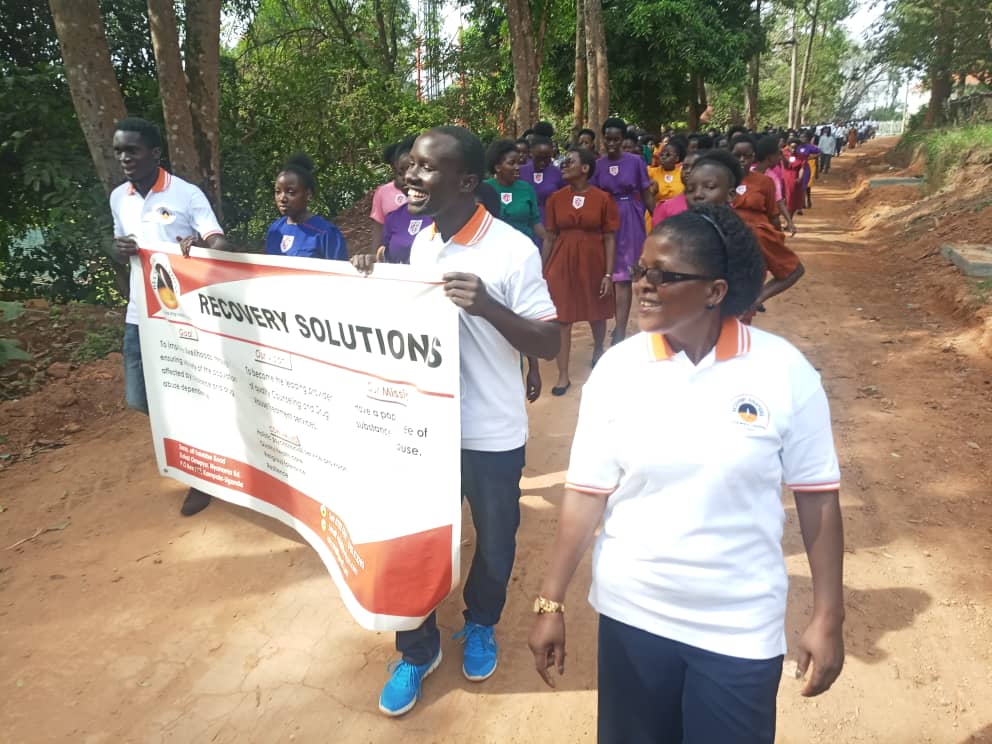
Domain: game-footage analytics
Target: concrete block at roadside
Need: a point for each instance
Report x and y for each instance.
(973, 260)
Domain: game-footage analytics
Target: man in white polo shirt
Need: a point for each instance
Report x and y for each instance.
(492, 273)
(154, 205)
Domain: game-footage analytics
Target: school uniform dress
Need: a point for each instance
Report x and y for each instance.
(624, 179)
(577, 263)
(518, 206)
(172, 209)
(688, 572)
(398, 233)
(793, 166)
(755, 203)
(669, 182)
(675, 205)
(315, 238)
(545, 182)
(387, 198)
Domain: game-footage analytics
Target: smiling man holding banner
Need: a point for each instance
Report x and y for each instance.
(493, 274)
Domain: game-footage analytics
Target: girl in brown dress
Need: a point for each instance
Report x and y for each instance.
(581, 221)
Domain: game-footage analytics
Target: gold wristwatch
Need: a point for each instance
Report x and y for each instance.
(544, 606)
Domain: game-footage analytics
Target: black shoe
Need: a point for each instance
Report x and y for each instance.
(195, 502)
(560, 391)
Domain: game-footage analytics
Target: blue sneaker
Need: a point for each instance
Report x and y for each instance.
(480, 651)
(402, 691)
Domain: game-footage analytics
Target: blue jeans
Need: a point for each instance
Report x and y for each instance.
(653, 690)
(491, 483)
(134, 373)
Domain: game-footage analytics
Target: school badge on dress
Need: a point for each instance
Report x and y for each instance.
(286, 243)
(400, 199)
(742, 189)
(506, 197)
(414, 227)
(669, 178)
(578, 201)
(614, 170)
(538, 178)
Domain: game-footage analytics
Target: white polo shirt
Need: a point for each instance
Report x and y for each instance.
(174, 208)
(693, 458)
(494, 413)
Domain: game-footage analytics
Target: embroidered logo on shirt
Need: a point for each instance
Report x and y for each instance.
(165, 215)
(287, 243)
(614, 169)
(400, 199)
(414, 227)
(506, 197)
(538, 178)
(742, 189)
(669, 178)
(750, 413)
(578, 201)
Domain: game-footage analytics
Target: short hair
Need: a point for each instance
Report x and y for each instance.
(588, 131)
(544, 129)
(722, 159)
(523, 141)
(703, 141)
(630, 136)
(389, 153)
(747, 139)
(586, 157)
(714, 240)
(680, 145)
(403, 147)
(734, 131)
(615, 122)
(487, 196)
(150, 134)
(469, 147)
(526, 133)
(497, 151)
(766, 147)
(301, 166)
(540, 139)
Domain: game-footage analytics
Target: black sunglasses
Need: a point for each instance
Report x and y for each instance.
(657, 277)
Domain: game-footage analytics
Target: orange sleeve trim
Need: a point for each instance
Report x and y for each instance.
(596, 490)
(212, 232)
(553, 316)
(832, 486)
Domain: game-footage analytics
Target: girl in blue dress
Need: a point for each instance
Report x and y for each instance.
(298, 232)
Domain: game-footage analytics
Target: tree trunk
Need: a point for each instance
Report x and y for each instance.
(940, 71)
(522, 48)
(698, 102)
(792, 73)
(203, 72)
(164, 28)
(753, 77)
(598, 81)
(96, 95)
(806, 59)
(578, 110)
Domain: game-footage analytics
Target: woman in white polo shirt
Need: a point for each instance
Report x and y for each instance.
(688, 572)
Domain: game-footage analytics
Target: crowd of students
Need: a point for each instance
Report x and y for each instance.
(686, 431)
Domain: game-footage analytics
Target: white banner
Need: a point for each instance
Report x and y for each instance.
(300, 389)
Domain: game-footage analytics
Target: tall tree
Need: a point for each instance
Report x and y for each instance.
(523, 52)
(807, 56)
(96, 96)
(754, 70)
(202, 52)
(578, 97)
(598, 72)
(183, 155)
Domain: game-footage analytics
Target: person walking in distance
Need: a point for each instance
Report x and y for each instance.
(154, 205)
(493, 274)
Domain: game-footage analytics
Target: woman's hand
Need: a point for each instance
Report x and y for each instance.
(605, 286)
(380, 254)
(364, 262)
(823, 644)
(547, 643)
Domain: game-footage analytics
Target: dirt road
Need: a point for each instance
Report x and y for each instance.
(132, 624)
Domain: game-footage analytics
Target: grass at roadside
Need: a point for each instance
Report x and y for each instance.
(944, 149)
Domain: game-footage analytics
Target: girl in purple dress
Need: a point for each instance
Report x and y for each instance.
(540, 172)
(808, 151)
(624, 177)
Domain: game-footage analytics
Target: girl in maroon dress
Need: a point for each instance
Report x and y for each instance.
(581, 222)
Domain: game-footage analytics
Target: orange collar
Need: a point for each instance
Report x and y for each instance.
(734, 341)
(162, 182)
(472, 231)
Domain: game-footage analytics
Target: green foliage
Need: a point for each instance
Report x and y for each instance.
(10, 351)
(944, 150)
(10, 310)
(100, 342)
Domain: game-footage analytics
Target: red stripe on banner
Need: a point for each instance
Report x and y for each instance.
(405, 576)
